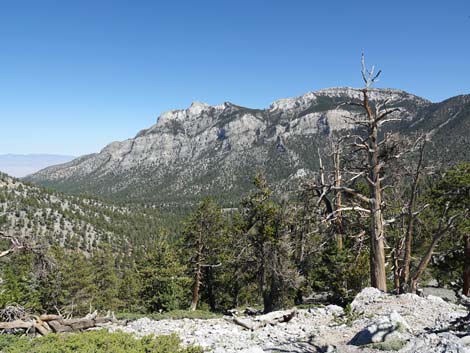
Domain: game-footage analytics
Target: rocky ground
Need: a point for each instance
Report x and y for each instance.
(376, 322)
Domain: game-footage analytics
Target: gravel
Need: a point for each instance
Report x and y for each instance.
(324, 329)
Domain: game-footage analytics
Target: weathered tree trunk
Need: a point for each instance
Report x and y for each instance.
(197, 274)
(265, 320)
(302, 247)
(466, 267)
(196, 286)
(377, 257)
(338, 200)
(408, 245)
(396, 267)
(406, 268)
(414, 280)
(46, 324)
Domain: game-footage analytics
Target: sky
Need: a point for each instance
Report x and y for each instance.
(77, 75)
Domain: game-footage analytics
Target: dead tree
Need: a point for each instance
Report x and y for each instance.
(373, 150)
(16, 244)
(411, 213)
(406, 176)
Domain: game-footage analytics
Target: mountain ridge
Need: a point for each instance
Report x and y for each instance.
(204, 150)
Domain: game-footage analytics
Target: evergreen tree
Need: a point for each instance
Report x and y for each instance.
(267, 228)
(129, 290)
(106, 282)
(165, 285)
(203, 234)
(453, 193)
(19, 284)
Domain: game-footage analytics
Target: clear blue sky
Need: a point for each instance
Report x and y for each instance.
(76, 75)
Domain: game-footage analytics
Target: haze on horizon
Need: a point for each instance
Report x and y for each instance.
(21, 165)
(77, 76)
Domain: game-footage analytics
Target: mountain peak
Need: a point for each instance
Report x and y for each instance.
(197, 107)
(204, 149)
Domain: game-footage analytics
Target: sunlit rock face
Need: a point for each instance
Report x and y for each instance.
(212, 150)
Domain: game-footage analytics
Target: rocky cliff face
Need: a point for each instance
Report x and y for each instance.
(215, 150)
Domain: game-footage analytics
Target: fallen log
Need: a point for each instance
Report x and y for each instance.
(17, 324)
(57, 327)
(249, 325)
(264, 320)
(41, 329)
(73, 325)
(45, 324)
(49, 317)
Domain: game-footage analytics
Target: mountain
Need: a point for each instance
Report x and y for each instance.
(74, 222)
(216, 150)
(20, 165)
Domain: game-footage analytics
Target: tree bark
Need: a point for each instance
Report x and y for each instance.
(377, 257)
(197, 275)
(396, 266)
(466, 266)
(196, 287)
(424, 262)
(410, 222)
(46, 324)
(338, 199)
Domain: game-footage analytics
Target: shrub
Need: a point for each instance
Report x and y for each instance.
(94, 342)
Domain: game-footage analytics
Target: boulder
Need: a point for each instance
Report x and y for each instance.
(334, 310)
(365, 297)
(386, 328)
(435, 343)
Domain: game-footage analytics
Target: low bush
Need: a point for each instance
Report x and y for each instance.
(94, 342)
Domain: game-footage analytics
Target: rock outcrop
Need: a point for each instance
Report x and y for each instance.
(216, 150)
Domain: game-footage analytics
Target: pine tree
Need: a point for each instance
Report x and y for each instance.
(202, 236)
(453, 193)
(165, 285)
(105, 278)
(267, 228)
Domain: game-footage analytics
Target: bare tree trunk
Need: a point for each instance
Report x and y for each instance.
(396, 266)
(196, 287)
(370, 150)
(197, 274)
(425, 261)
(466, 267)
(408, 246)
(302, 246)
(411, 220)
(338, 199)
(377, 257)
